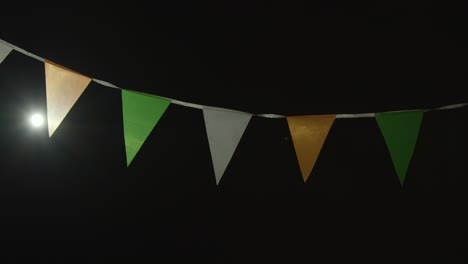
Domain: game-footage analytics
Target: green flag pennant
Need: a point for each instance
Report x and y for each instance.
(400, 131)
(141, 113)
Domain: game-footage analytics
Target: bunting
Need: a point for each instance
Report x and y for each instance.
(4, 51)
(63, 87)
(141, 113)
(400, 131)
(308, 134)
(224, 127)
(224, 130)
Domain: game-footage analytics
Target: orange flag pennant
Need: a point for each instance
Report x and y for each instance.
(308, 135)
(63, 87)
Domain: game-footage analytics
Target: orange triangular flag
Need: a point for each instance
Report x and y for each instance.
(63, 87)
(308, 134)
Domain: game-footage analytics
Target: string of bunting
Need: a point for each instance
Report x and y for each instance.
(224, 127)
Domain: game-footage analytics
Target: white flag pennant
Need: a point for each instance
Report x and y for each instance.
(5, 49)
(224, 130)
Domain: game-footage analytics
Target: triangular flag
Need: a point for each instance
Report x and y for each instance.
(4, 51)
(63, 87)
(224, 130)
(308, 135)
(400, 131)
(141, 113)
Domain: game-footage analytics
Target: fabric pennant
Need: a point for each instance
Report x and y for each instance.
(224, 130)
(63, 87)
(308, 135)
(141, 113)
(400, 131)
(4, 51)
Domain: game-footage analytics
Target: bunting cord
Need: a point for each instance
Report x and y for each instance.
(199, 106)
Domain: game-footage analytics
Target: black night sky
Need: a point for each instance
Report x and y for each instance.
(71, 198)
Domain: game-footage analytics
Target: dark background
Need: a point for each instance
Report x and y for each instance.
(71, 199)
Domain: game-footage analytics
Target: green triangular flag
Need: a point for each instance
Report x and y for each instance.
(400, 131)
(141, 113)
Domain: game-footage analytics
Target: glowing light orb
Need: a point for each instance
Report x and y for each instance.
(37, 120)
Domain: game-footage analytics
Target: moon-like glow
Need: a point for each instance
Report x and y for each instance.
(37, 120)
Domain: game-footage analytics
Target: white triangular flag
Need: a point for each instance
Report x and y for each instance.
(4, 51)
(224, 130)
